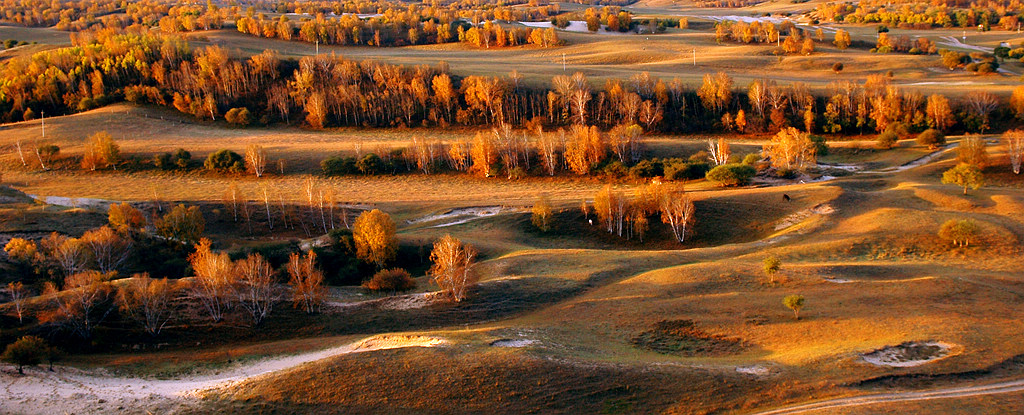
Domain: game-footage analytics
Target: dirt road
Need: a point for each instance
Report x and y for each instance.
(70, 390)
(954, 392)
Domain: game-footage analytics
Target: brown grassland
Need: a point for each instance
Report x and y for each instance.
(575, 303)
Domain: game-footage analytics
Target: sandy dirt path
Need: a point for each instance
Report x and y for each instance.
(70, 390)
(955, 392)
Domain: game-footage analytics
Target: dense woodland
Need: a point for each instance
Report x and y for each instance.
(922, 15)
(148, 66)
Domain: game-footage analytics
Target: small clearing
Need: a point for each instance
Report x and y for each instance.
(908, 354)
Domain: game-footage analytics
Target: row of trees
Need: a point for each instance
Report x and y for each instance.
(923, 15)
(325, 90)
(629, 217)
(88, 289)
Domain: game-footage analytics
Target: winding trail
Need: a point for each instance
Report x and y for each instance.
(946, 393)
(70, 390)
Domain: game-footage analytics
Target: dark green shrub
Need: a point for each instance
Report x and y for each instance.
(731, 174)
(370, 164)
(225, 161)
(339, 166)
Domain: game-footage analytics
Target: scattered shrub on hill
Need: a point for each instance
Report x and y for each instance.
(371, 164)
(887, 140)
(771, 264)
(185, 224)
(751, 159)
(965, 175)
(960, 232)
(931, 138)
(541, 214)
(394, 279)
(794, 302)
(26, 351)
(339, 166)
(46, 153)
(238, 116)
(225, 161)
(731, 174)
(180, 159)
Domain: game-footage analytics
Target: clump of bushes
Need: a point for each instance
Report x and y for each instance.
(390, 280)
(239, 116)
(339, 166)
(887, 139)
(225, 161)
(732, 174)
(931, 138)
(180, 159)
(960, 232)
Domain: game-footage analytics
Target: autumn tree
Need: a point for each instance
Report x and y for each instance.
(148, 301)
(1014, 140)
(842, 40)
(18, 294)
(184, 224)
(256, 290)
(972, 151)
(791, 149)
(715, 91)
(1016, 105)
(484, 154)
(719, 151)
(124, 217)
(45, 153)
(307, 282)
(626, 142)
(256, 159)
(965, 175)
(374, 236)
(794, 302)
(101, 152)
(21, 250)
(70, 254)
(586, 147)
(980, 105)
(678, 212)
(213, 282)
(80, 306)
(452, 266)
(940, 115)
(26, 351)
(109, 248)
(541, 214)
(548, 147)
(771, 264)
(960, 232)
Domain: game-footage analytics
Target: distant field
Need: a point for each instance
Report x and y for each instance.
(667, 56)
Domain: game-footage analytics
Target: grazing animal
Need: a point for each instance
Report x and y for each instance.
(785, 197)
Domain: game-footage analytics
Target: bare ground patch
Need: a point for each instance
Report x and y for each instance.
(909, 354)
(683, 337)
